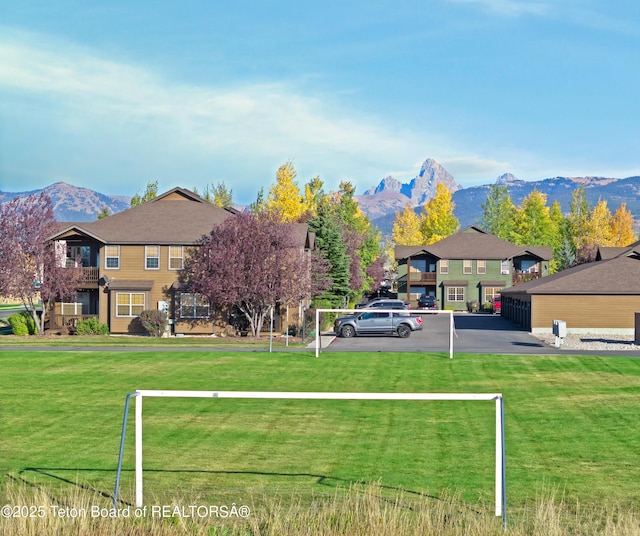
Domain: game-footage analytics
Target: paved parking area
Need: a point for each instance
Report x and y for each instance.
(474, 333)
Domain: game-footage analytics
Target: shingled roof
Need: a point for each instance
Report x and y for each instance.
(473, 243)
(178, 216)
(619, 275)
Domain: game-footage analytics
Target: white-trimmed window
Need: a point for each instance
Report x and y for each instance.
(444, 266)
(152, 257)
(194, 305)
(504, 267)
(129, 303)
(176, 257)
(467, 266)
(455, 294)
(112, 257)
(490, 293)
(481, 267)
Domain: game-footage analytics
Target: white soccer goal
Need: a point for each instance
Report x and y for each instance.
(500, 465)
(379, 310)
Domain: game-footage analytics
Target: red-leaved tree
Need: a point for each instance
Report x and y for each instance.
(30, 269)
(253, 262)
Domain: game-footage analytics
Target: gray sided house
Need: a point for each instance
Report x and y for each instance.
(471, 266)
(597, 297)
(131, 261)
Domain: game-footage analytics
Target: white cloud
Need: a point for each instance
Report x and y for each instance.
(253, 121)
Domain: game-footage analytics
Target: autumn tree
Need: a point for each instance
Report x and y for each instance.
(498, 212)
(622, 227)
(313, 194)
(30, 268)
(252, 262)
(438, 220)
(599, 227)
(151, 192)
(284, 197)
(406, 228)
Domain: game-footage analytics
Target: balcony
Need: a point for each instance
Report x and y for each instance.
(89, 276)
(523, 277)
(425, 278)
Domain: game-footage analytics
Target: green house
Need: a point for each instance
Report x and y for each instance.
(467, 269)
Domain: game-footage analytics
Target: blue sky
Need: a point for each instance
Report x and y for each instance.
(111, 95)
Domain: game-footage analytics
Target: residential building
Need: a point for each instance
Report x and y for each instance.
(471, 266)
(596, 297)
(131, 261)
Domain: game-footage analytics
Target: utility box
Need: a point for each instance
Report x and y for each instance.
(560, 331)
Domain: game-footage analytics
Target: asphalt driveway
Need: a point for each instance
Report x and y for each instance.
(474, 333)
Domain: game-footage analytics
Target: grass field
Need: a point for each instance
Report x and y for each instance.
(572, 424)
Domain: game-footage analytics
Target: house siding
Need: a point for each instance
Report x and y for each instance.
(585, 313)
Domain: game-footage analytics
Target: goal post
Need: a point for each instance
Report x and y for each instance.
(500, 462)
(380, 310)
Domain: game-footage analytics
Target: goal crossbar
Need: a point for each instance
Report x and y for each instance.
(413, 312)
(500, 462)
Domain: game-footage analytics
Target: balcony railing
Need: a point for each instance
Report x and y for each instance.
(523, 277)
(89, 275)
(422, 277)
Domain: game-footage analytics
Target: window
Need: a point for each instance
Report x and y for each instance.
(176, 258)
(129, 303)
(467, 267)
(455, 294)
(490, 293)
(444, 266)
(481, 267)
(71, 308)
(193, 305)
(504, 267)
(112, 257)
(152, 257)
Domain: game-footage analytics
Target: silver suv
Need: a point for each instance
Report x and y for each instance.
(383, 303)
(377, 323)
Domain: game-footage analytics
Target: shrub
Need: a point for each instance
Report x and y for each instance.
(22, 324)
(91, 326)
(154, 321)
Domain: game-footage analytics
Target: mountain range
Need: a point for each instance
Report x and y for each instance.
(391, 195)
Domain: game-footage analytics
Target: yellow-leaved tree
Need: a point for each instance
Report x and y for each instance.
(438, 220)
(599, 226)
(406, 228)
(622, 227)
(284, 196)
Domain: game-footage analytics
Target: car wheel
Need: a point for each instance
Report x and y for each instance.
(348, 331)
(404, 331)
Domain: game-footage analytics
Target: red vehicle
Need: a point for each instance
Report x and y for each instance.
(497, 305)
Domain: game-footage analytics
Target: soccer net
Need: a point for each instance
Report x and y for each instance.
(450, 329)
(500, 465)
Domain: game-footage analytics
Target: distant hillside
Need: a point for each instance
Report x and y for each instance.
(71, 203)
(382, 202)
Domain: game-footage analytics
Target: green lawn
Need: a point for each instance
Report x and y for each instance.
(572, 423)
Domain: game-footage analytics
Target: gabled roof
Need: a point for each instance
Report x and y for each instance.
(619, 275)
(473, 243)
(178, 216)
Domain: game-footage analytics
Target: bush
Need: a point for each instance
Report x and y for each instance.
(91, 326)
(22, 324)
(154, 321)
